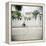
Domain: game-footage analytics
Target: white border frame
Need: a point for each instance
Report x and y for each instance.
(8, 21)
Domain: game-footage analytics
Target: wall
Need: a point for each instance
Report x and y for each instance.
(2, 23)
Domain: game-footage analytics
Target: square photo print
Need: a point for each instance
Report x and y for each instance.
(26, 22)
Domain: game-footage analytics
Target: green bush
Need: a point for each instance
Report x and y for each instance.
(15, 14)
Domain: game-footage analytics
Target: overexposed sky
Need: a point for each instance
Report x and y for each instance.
(29, 8)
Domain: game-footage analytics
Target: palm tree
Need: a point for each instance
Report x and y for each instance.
(35, 13)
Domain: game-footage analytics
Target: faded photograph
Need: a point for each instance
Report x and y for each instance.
(27, 22)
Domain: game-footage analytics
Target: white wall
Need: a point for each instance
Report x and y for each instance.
(2, 23)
